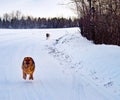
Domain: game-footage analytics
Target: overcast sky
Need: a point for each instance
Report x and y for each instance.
(37, 8)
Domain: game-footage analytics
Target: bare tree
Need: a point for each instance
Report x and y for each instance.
(101, 17)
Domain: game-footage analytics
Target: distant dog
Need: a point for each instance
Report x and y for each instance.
(28, 67)
(47, 36)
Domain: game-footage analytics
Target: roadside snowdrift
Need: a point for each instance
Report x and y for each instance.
(97, 63)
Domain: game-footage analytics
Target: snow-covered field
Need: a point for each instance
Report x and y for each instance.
(68, 67)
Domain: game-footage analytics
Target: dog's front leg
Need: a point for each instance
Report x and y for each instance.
(31, 76)
(24, 75)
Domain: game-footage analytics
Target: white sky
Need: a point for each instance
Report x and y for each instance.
(37, 8)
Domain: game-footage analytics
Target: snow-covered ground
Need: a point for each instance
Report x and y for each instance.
(68, 67)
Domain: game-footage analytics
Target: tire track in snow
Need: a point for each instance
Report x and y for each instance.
(78, 89)
(43, 92)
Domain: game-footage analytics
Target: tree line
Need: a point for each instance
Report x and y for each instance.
(99, 20)
(16, 20)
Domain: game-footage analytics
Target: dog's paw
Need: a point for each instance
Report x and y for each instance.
(24, 77)
(31, 78)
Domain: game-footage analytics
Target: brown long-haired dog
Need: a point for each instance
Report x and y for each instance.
(28, 67)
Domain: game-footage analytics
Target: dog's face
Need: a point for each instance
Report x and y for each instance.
(28, 61)
(28, 67)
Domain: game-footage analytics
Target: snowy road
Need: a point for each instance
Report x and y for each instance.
(51, 80)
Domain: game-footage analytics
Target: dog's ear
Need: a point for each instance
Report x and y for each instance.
(23, 63)
(33, 61)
